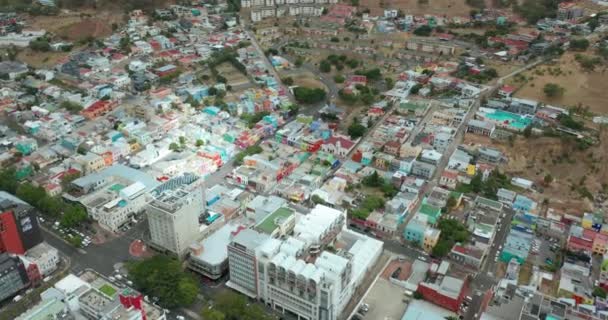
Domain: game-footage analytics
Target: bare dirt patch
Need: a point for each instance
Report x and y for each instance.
(433, 7)
(78, 25)
(572, 169)
(40, 59)
(581, 87)
(232, 75)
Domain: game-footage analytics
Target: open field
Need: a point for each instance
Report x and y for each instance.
(40, 59)
(573, 170)
(74, 26)
(434, 7)
(581, 87)
(232, 75)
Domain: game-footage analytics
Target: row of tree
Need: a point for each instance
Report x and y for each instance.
(69, 215)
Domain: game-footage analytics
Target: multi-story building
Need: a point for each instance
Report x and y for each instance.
(173, 213)
(295, 275)
(112, 196)
(210, 256)
(13, 277)
(19, 230)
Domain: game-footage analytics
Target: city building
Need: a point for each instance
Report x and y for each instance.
(91, 296)
(444, 290)
(173, 213)
(112, 196)
(19, 229)
(13, 276)
(296, 276)
(209, 257)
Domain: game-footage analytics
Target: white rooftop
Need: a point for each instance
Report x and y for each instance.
(215, 247)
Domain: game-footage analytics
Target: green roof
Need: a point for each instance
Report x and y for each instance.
(108, 290)
(270, 223)
(430, 210)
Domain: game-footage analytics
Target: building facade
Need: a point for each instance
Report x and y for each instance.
(173, 213)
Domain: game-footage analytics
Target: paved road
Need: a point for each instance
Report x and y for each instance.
(101, 258)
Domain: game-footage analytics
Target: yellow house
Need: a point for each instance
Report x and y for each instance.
(431, 236)
(471, 170)
(91, 162)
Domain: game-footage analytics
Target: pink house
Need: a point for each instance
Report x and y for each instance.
(600, 243)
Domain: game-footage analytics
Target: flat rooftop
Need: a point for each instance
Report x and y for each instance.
(273, 220)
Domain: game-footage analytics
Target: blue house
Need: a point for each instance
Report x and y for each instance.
(523, 203)
(414, 231)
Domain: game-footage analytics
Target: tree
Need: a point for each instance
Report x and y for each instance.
(125, 44)
(67, 179)
(317, 200)
(212, 314)
(527, 132)
(579, 44)
(553, 90)
(325, 66)
(599, 292)
(548, 179)
(299, 62)
(339, 78)
(40, 44)
(288, 81)
(236, 307)
(356, 130)
(199, 142)
(73, 216)
(451, 203)
(373, 180)
(416, 88)
(70, 106)
(423, 31)
(309, 95)
(174, 147)
(8, 180)
(417, 295)
(163, 277)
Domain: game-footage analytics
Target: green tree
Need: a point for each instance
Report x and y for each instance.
(356, 130)
(373, 180)
(174, 147)
(553, 90)
(70, 106)
(309, 95)
(163, 277)
(417, 295)
(599, 292)
(416, 88)
(67, 179)
(8, 180)
(212, 314)
(451, 203)
(325, 66)
(579, 44)
(30, 193)
(527, 132)
(288, 81)
(317, 200)
(548, 178)
(339, 78)
(200, 142)
(423, 31)
(73, 216)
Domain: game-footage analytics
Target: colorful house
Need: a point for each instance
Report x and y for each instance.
(433, 213)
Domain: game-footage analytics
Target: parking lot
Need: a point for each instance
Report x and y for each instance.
(385, 301)
(545, 251)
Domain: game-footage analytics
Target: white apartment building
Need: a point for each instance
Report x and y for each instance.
(276, 8)
(112, 196)
(45, 257)
(173, 213)
(295, 276)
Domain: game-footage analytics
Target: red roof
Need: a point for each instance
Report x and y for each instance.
(507, 88)
(344, 142)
